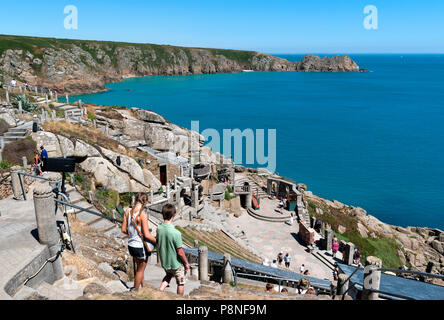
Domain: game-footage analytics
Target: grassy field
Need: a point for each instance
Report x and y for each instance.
(162, 52)
(382, 247)
(217, 242)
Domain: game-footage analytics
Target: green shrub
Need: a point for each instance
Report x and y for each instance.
(26, 104)
(5, 165)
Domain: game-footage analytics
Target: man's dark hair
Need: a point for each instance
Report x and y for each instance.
(168, 211)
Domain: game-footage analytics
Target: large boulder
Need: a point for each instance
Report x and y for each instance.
(149, 116)
(83, 149)
(49, 141)
(127, 164)
(106, 174)
(159, 137)
(66, 146)
(438, 246)
(152, 180)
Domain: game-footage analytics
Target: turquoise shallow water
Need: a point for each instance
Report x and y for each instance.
(374, 140)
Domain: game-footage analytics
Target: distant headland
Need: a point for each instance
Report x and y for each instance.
(84, 66)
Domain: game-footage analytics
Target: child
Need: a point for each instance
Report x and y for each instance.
(172, 257)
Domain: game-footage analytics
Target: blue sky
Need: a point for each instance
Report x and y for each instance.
(279, 26)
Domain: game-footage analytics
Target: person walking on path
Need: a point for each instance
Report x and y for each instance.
(287, 259)
(172, 256)
(135, 224)
(302, 269)
(334, 248)
(37, 164)
(280, 258)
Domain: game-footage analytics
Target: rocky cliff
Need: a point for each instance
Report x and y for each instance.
(79, 66)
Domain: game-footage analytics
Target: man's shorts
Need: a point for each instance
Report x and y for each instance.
(179, 274)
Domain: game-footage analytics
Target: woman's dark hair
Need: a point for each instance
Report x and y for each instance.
(168, 211)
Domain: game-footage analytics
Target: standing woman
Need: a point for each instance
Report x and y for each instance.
(37, 164)
(133, 217)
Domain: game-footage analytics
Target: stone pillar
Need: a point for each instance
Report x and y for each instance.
(343, 284)
(16, 185)
(46, 100)
(228, 274)
(107, 129)
(249, 199)
(2, 143)
(54, 178)
(67, 99)
(51, 95)
(54, 115)
(36, 90)
(179, 201)
(44, 206)
(203, 263)
(25, 162)
(328, 239)
(194, 197)
(349, 251)
(372, 278)
(94, 124)
(7, 96)
(20, 107)
(56, 96)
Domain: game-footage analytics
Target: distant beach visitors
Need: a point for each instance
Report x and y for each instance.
(302, 268)
(13, 83)
(43, 155)
(172, 256)
(273, 265)
(287, 259)
(135, 224)
(269, 288)
(37, 163)
(357, 256)
(280, 258)
(334, 248)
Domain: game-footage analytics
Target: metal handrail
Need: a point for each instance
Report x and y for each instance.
(87, 210)
(425, 274)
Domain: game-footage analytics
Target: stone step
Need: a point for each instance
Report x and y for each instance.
(101, 224)
(87, 217)
(114, 232)
(24, 293)
(50, 292)
(75, 197)
(18, 130)
(82, 204)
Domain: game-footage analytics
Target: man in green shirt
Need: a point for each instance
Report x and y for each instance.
(169, 248)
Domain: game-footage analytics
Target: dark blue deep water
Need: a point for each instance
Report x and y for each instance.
(374, 140)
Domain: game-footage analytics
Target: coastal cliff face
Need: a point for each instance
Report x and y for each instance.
(77, 66)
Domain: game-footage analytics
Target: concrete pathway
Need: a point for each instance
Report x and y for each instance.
(154, 275)
(18, 245)
(270, 238)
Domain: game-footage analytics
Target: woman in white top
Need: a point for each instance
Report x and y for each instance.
(136, 247)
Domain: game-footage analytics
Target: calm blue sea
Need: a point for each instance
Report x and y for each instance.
(374, 140)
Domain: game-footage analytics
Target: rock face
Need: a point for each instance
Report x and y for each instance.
(102, 163)
(78, 66)
(311, 63)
